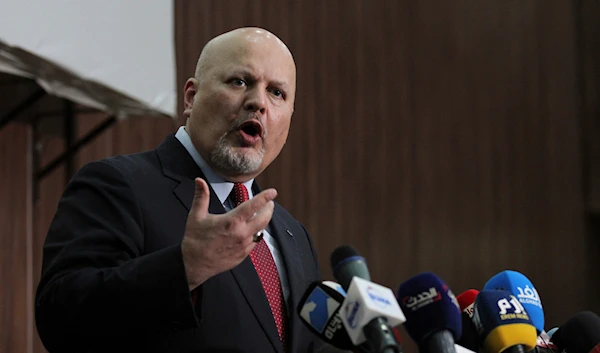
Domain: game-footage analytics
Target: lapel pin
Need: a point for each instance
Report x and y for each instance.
(289, 232)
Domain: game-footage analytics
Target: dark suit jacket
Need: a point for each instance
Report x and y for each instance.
(113, 277)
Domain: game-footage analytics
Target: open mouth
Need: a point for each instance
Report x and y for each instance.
(251, 128)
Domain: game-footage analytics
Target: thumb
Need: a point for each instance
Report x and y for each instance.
(201, 198)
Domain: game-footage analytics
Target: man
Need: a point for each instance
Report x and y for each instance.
(160, 251)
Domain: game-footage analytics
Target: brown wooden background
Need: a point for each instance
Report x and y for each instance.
(455, 137)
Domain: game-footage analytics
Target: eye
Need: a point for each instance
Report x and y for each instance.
(238, 82)
(278, 93)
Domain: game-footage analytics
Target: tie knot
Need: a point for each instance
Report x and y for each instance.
(240, 194)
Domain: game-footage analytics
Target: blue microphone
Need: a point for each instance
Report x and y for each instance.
(432, 313)
(502, 323)
(521, 287)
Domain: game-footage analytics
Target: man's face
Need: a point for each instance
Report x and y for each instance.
(240, 114)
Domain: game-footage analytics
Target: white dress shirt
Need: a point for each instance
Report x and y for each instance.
(223, 188)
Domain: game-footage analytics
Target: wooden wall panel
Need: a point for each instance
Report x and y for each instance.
(49, 191)
(432, 137)
(16, 309)
(589, 98)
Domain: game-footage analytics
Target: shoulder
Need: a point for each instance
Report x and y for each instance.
(135, 163)
(129, 166)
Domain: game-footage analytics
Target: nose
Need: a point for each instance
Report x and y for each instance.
(256, 100)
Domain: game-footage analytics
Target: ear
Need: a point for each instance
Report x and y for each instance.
(189, 92)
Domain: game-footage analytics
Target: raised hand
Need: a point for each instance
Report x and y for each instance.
(214, 243)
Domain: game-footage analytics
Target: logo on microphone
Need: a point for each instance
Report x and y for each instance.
(422, 299)
(352, 313)
(377, 298)
(332, 327)
(529, 295)
(511, 309)
(469, 310)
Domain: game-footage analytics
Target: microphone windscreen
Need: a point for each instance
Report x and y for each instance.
(580, 334)
(466, 300)
(429, 306)
(502, 322)
(521, 287)
(346, 263)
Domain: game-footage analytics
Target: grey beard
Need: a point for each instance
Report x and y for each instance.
(224, 157)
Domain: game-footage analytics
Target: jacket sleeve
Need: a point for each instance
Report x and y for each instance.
(96, 281)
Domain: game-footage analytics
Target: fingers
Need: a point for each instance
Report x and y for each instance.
(248, 209)
(260, 220)
(201, 198)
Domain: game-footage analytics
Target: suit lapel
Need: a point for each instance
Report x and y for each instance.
(180, 166)
(185, 193)
(177, 164)
(295, 274)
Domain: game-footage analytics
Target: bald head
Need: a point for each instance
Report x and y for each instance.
(240, 103)
(237, 42)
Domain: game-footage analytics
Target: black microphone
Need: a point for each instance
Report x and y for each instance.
(580, 334)
(347, 263)
(369, 310)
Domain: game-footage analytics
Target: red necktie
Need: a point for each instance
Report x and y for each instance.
(266, 269)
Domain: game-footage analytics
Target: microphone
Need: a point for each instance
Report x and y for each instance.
(502, 323)
(433, 316)
(319, 309)
(370, 310)
(521, 287)
(580, 334)
(347, 263)
(466, 302)
(544, 344)
(551, 332)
